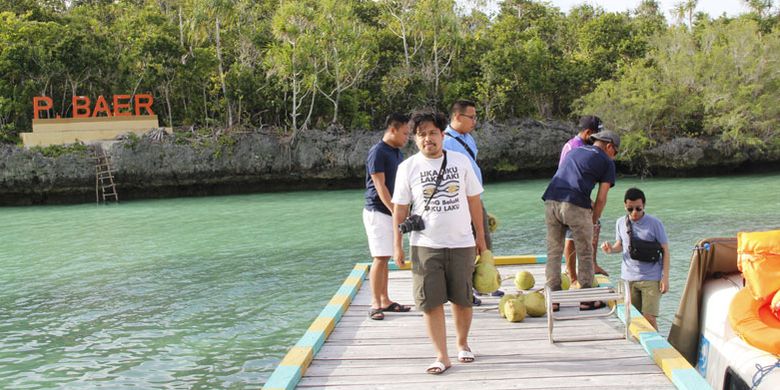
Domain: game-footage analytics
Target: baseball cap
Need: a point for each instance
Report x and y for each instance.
(591, 122)
(607, 136)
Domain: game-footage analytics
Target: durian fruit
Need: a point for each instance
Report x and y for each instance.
(492, 223)
(524, 280)
(775, 305)
(486, 277)
(535, 304)
(565, 281)
(502, 301)
(515, 310)
(486, 257)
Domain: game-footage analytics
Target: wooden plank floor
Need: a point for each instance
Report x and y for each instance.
(393, 353)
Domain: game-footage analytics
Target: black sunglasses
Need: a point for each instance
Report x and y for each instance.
(631, 209)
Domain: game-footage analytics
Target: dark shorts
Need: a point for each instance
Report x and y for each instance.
(441, 275)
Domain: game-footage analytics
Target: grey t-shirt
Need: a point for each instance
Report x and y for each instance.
(646, 228)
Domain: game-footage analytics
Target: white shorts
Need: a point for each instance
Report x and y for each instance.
(379, 229)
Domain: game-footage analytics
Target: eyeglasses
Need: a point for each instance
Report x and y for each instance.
(616, 151)
(631, 209)
(472, 117)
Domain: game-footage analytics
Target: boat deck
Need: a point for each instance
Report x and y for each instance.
(355, 352)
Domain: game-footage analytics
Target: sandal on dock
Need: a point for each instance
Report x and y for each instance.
(396, 307)
(465, 356)
(436, 368)
(376, 314)
(592, 305)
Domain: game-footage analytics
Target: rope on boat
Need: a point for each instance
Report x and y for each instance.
(763, 371)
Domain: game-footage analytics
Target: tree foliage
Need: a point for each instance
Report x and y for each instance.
(721, 83)
(295, 64)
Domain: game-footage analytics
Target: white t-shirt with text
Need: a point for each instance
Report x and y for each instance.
(448, 220)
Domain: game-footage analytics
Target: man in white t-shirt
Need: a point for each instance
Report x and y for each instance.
(444, 192)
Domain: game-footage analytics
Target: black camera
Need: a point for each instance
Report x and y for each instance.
(412, 223)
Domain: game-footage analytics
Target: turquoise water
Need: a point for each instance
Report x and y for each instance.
(211, 292)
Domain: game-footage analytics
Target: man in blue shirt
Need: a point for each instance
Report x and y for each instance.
(646, 279)
(568, 205)
(381, 167)
(457, 137)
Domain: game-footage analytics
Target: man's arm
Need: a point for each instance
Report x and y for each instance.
(475, 209)
(617, 247)
(665, 276)
(400, 212)
(381, 189)
(601, 201)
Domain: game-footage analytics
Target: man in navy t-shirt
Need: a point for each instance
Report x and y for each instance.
(568, 205)
(381, 166)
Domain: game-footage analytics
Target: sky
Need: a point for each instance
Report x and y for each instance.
(713, 7)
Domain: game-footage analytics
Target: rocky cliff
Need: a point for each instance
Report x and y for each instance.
(260, 160)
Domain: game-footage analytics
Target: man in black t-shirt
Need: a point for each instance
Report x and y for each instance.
(381, 166)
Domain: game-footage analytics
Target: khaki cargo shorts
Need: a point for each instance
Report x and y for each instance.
(646, 296)
(441, 275)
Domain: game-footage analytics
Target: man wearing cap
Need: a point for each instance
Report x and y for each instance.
(589, 124)
(568, 205)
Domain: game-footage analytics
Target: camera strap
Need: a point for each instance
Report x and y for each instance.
(438, 180)
(463, 143)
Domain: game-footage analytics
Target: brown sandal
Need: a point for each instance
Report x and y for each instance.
(376, 314)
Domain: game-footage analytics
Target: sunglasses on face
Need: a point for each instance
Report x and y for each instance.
(631, 209)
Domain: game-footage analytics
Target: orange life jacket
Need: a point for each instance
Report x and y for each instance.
(759, 261)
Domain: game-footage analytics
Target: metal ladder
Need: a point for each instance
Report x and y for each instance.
(105, 187)
(605, 294)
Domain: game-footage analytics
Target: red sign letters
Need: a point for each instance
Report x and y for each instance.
(82, 106)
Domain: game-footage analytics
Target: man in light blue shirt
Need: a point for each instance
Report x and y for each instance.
(648, 276)
(457, 137)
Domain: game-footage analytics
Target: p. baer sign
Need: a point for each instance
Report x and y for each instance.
(102, 120)
(83, 108)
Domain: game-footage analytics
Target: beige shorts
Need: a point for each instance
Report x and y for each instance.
(441, 275)
(379, 229)
(646, 296)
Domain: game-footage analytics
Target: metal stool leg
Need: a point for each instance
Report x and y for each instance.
(548, 299)
(627, 304)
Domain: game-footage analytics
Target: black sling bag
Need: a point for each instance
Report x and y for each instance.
(642, 250)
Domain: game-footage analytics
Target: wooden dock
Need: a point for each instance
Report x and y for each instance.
(347, 350)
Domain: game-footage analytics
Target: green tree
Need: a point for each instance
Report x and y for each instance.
(292, 57)
(346, 50)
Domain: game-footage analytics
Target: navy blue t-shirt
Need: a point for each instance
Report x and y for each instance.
(578, 174)
(381, 158)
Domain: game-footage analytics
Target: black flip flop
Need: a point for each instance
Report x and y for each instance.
(396, 307)
(592, 305)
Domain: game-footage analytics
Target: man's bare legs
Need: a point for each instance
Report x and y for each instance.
(378, 279)
(651, 320)
(570, 254)
(462, 316)
(434, 322)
